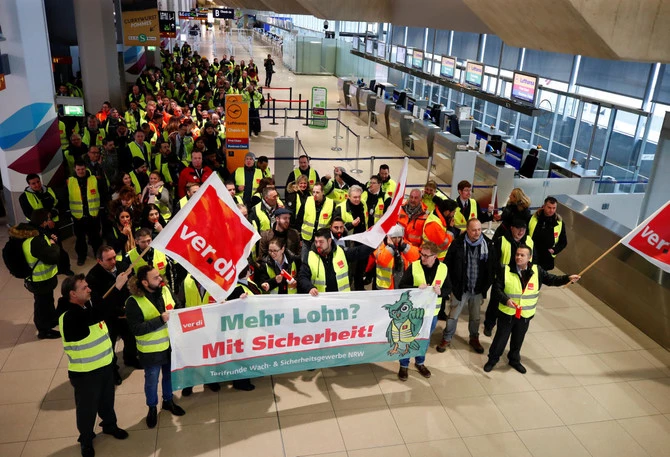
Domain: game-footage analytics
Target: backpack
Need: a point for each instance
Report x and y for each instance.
(16, 262)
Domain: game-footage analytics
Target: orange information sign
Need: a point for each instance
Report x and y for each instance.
(3, 86)
(237, 131)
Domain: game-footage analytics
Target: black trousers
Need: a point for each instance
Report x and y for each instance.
(508, 326)
(254, 120)
(119, 328)
(86, 227)
(268, 78)
(44, 312)
(492, 310)
(94, 396)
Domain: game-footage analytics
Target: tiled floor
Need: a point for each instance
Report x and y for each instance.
(596, 385)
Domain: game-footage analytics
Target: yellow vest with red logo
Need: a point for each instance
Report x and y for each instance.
(420, 278)
(525, 298)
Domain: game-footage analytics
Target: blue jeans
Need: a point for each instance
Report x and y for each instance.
(420, 359)
(151, 383)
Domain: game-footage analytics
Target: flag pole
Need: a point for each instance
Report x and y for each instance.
(132, 265)
(597, 260)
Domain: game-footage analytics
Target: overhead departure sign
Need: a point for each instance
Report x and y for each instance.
(168, 26)
(223, 13)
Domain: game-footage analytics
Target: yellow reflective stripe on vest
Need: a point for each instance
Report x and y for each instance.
(527, 298)
(93, 352)
(309, 219)
(420, 278)
(506, 250)
(460, 222)
(319, 271)
(75, 197)
(41, 270)
(158, 340)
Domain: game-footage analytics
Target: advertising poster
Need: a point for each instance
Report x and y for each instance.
(237, 131)
(319, 104)
(264, 335)
(140, 22)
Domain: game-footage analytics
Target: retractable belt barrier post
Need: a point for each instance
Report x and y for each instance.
(369, 135)
(346, 144)
(372, 165)
(285, 120)
(306, 112)
(357, 170)
(299, 106)
(337, 133)
(290, 98)
(274, 112)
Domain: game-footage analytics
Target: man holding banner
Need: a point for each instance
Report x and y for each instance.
(147, 311)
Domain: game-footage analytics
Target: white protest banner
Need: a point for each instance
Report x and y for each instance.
(376, 234)
(210, 238)
(265, 335)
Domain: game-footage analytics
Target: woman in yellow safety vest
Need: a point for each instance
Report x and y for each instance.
(278, 271)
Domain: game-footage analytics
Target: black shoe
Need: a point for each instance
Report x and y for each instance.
(87, 450)
(152, 417)
(187, 391)
(488, 331)
(48, 335)
(116, 432)
(518, 367)
(118, 380)
(243, 384)
(214, 386)
(402, 374)
(175, 409)
(489, 366)
(441, 316)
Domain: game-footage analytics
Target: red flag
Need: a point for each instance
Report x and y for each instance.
(651, 239)
(375, 234)
(210, 238)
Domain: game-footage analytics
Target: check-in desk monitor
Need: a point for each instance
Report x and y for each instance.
(492, 135)
(515, 152)
(420, 140)
(400, 124)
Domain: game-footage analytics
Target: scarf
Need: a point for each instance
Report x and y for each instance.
(484, 248)
(413, 211)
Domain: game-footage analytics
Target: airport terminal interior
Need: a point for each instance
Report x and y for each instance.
(597, 384)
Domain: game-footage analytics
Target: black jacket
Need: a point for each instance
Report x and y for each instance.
(456, 260)
(262, 275)
(100, 281)
(543, 237)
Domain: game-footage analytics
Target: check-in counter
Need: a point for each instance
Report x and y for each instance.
(352, 101)
(489, 173)
(380, 117)
(587, 178)
(343, 89)
(420, 144)
(494, 136)
(364, 95)
(445, 146)
(400, 124)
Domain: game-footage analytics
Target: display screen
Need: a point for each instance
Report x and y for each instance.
(401, 55)
(417, 60)
(369, 47)
(381, 50)
(474, 73)
(524, 87)
(410, 104)
(448, 67)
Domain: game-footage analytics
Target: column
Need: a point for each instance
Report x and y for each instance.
(96, 37)
(658, 187)
(29, 136)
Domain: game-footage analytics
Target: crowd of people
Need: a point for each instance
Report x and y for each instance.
(130, 174)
